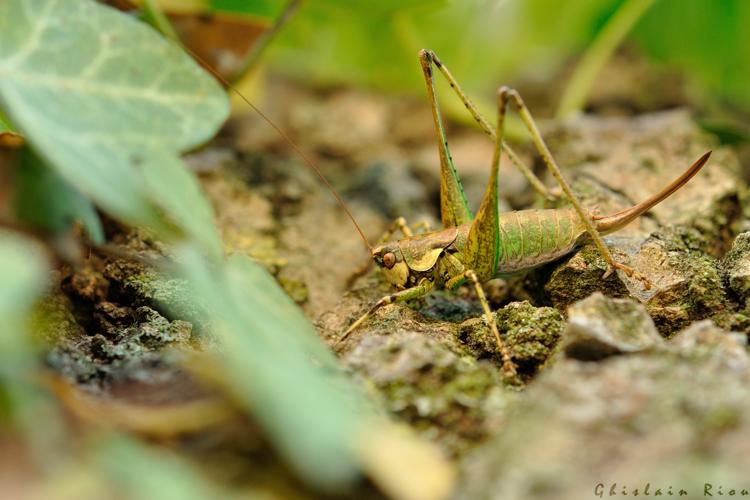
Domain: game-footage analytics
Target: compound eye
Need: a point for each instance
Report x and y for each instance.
(389, 260)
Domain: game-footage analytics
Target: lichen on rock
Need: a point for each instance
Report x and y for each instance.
(531, 333)
(688, 286)
(448, 396)
(736, 269)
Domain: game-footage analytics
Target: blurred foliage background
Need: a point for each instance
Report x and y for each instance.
(488, 42)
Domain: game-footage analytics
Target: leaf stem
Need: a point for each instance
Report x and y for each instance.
(153, 15)
(260, 45)
(602, 48)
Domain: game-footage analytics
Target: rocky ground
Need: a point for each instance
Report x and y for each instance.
(619, 385)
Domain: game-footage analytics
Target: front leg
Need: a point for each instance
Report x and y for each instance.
(422, 288)
(397, 225)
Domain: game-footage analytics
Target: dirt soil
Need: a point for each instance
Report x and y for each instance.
(624, 386)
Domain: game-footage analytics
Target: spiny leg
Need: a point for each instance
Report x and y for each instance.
(408, 231)
(454, 209)
(397, 225)
(421, 227)
(536, 136)
(508, 367)
(422, 288)
(427, 57)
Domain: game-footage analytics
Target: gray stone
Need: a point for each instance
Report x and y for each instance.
(686, 283)
(674, 418)
(600, 326)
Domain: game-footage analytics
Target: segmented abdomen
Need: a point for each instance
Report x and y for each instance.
(529, 238)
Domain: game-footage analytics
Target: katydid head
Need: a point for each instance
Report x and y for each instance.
(390, 260)
(403, 261)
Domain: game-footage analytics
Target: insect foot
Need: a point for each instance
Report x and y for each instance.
(509, 368)
(382, 302)
(630, 272)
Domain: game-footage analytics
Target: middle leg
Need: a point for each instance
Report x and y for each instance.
(509, 368)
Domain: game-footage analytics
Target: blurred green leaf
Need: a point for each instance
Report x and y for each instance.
(489, 43)
(138, 471)
(485, 44)
(5, 125)
(45, 200)
(176, 192)
(275, 365)
(570, 24)
(96, 105)
(375, 43)
(260, 8)
(271, 8)
(24, 274)
(709, 40)
(729, 129)
(604, 45)
(23, 404)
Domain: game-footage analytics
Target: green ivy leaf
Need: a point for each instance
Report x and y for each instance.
(140, 471)
(96, 93)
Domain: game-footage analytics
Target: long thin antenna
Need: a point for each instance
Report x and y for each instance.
(286, 137)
